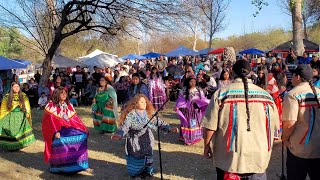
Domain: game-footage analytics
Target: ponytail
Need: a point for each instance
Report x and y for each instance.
(242, 69)
(314, 92)
(246, 89)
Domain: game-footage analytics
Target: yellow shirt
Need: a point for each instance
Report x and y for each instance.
(234, 148)
(300, 105)
(15, 103)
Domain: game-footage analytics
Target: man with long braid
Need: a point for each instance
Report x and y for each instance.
(301, 126)
(240, 120)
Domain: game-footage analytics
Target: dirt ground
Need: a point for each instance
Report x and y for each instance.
(106, 157)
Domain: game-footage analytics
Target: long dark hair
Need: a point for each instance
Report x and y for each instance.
(263, 82)
(10, 98)
(224, 70)
(246, 89)
(152, 74)
(55, 98)
(241, 69)
(188, 89)
(139, 85)
(121, 79)
(115, 76)
(55, 81)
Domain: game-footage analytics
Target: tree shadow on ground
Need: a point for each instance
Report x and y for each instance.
(275, 161)
(178, 163)
(103, 143)
(98, 169)
(182, 164)
(185, 165)
(172, 117)
(37, 124)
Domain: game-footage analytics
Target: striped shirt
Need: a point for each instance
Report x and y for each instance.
(300, 105)
(235, 149)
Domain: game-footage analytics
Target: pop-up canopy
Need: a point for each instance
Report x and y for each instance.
(181, 51)
(10, 64)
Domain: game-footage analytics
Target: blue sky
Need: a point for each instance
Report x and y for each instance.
(240, 19)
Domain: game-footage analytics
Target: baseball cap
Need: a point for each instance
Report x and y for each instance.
(304, 71)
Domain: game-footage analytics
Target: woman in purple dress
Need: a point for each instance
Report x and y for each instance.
(156, 88)
(190, 106)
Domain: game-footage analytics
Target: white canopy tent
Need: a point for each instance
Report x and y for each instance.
(102, 61)
(93, 54)
(65, 62)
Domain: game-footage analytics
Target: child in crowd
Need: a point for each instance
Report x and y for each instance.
(90, 92)
(73, 96)
(139, 139)
(43, 100)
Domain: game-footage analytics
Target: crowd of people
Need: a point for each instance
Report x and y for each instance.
(238, 104)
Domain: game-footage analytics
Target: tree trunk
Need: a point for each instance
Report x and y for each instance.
(297, 26)
(210, 41)
(305, 30)
(47, 62)
(204, 30)
(47, 68)
(52, 10)
(211, 25)
(195, 36)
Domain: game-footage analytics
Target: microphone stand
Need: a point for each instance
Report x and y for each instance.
(283, 176)
(159, 142)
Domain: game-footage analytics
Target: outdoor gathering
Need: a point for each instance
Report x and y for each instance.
(160, 89)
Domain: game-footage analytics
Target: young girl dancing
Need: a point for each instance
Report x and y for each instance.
(139, 139)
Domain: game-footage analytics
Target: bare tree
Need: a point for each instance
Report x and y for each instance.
(214, 13)
(49, 22)
(310, 12)
(296, 13)
(296, 10)
(191, 24)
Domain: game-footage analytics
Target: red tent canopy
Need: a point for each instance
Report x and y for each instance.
(217, 51)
